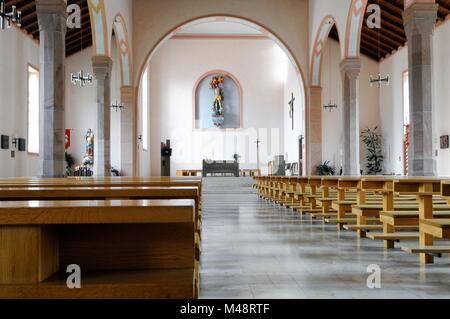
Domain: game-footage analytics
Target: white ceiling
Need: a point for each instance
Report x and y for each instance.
(219, 27)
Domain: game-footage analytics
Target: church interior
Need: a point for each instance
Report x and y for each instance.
(257, 149)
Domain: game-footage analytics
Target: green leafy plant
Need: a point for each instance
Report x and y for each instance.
(325, 169)
(374, 144)
(69, 163)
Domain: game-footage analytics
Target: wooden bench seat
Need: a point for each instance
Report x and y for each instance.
(125, 248)
(434, 250)
(437, 227)
(402, 218)
(394, 236)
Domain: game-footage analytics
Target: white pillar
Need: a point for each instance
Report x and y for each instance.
(102, 66)
(419, 20)
(350, 69)
(51, 16)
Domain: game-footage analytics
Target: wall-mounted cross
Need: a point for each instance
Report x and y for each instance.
(291, 109)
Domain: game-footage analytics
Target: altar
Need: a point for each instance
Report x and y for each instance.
(220, 167)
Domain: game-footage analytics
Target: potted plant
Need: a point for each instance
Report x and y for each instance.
(374, 158)
(69, 163)
(325, 169)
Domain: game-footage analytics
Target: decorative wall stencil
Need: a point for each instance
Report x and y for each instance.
(217, 101)
(316, 59)
(97, 14)
(354, 25)
(123, 44)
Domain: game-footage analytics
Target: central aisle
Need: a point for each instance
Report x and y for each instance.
(254, 249)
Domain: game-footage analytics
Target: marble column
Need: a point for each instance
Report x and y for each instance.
(127, 131)
(419, 21)
(314, 130)
(350, 69)
(52, 17)
(102, 66)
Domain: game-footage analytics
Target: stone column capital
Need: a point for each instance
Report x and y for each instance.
(102, 66)
(351, 67)
(49, 12)
(51, 6)
(420, 17)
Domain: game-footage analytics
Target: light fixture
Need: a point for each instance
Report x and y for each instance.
(117, 106)
(6, 18)
(80, 78)
(330, 106)
(379, 80)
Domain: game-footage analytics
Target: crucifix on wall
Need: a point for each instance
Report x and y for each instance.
(291, 109)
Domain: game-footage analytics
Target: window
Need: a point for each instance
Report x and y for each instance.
(406, 126)
(33, 110)
(144, 103)
(405, 98)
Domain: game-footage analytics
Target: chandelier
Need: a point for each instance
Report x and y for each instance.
(330, 106)
(117, 106)
(6, 18)
(379, 80)
(80, 78)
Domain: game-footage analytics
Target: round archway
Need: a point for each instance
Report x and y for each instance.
(287, 117)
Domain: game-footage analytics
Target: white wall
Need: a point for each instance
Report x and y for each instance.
(259, 65)
(391, 111)
(17, 51)
(291, 137)
(115, 115)
(332, 122)
(81, 110)
(391, 102)
(441, 94)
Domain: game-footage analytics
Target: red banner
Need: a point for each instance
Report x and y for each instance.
(67, 144)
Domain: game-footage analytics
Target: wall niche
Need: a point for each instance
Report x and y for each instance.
(211, 112)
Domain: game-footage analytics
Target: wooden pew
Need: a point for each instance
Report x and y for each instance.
(433, 224)
(404, 186)
(125, 248)
(363, 211)
(329, 193)
(342, 204)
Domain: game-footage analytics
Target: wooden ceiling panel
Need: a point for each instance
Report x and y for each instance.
(76, 39)
(379, 43)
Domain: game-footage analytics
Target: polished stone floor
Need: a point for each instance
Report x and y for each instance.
(253, 249)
